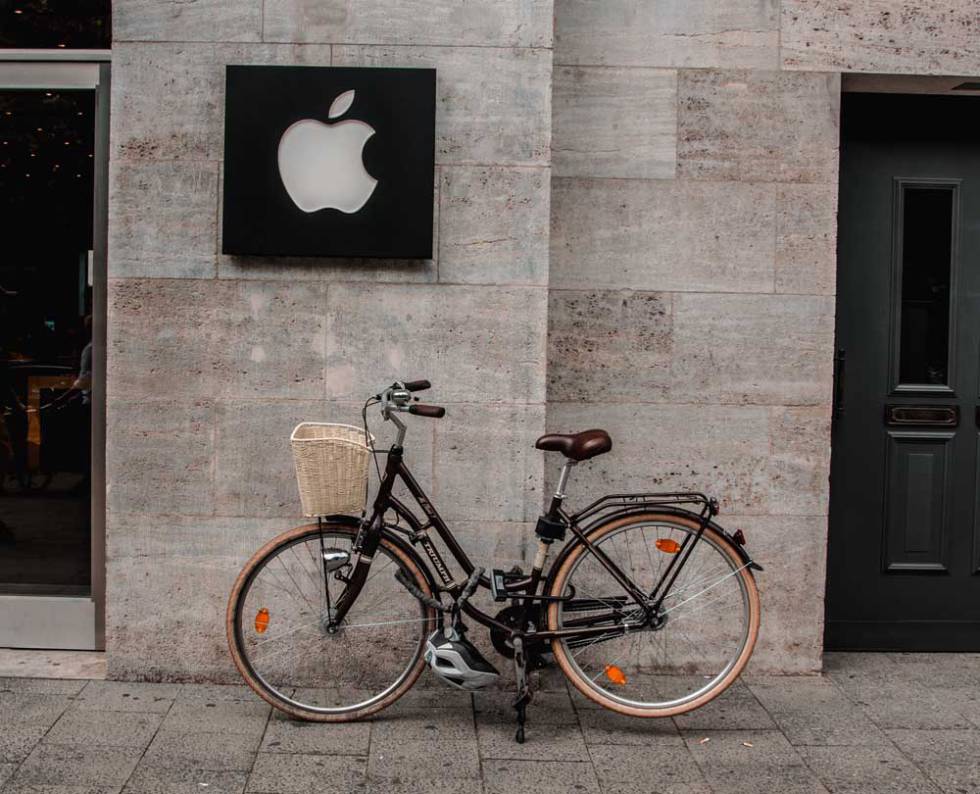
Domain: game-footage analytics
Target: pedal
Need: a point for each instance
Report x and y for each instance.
(499, 580)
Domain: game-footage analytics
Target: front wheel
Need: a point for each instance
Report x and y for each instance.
(689, 651)
(281, 635)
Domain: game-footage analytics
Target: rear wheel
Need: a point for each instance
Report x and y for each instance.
(693, 648)
(278, 633)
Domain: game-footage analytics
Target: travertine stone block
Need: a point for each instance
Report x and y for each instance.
(486, 466)
(179, 20)
(772, 349)
(494, 225)
(160, 456)
(719, 449)
(492, 105)
(162, 219)
(253, 464)
(697, 33)
(799, 463)
(662, 235)
(476, 344)
(215, 339)
(512, 23)
(168, 99)
(614, 122)
(806, 239)
(792, 549)
(609, 345)
(758, 126)
(887, 36)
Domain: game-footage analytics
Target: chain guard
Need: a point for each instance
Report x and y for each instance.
(533, 650)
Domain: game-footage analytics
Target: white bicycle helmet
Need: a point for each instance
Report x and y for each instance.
(457, 662)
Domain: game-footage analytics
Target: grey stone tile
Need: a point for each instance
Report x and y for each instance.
(932, 37)
(13, 787)
(734, 709)
(185, 780)
(614, 122)
(494, 104)
(41, 686)
(650, 235)
(278, 773)
(494, 225)
(484, 23)
(509, 486)
(815, 712)
(450, 334)
(619, 342)
(658, 768)
(31, 708)
(889, 704)
(104, 729)
(847, 664)
(262, 339)
(71, 765)
(949, 758)
(721, 344)
(288, 736)
(176, 747)
(215, 693)
(545, 777)
(423, 725)
(758, 126)
(163, 219)
(551, 742)
(6, 771)
(751, 761)
(601, 727)
(806, 238)
(404, 762)
(939, 670)
(168, 97)
(643, 33)
(172, 20)
(866, 770)
(227, 717)
(168, 443)
(17, 740)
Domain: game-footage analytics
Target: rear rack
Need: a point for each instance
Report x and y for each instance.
(708, 506)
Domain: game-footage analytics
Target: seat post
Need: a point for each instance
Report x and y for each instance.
(559, 496)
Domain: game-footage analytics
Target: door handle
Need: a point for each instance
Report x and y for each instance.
(919, 415)
(840, 359)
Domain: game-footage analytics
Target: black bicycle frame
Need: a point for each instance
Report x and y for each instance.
(523, 590)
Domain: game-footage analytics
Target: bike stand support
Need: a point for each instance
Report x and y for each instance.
(523, 690)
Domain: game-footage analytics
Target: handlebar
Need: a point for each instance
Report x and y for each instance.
(434, 411)
(417, 385)
(397, 397)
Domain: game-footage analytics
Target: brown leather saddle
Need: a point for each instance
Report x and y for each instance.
(576, 446)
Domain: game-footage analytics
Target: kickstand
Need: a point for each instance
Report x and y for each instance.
(523, 690)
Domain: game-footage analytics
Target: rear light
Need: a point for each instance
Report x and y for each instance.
(739, 537)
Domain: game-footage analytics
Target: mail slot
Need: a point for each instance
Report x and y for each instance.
(919, 415)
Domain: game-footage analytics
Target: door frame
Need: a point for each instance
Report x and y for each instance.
(73, 622)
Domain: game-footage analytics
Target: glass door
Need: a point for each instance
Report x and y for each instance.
(53, 136)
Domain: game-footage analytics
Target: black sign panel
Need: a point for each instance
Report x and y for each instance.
(324, 161)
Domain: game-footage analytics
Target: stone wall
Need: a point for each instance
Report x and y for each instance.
(213, 359)
(692, 277)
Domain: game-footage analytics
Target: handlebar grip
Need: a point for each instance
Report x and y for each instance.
(434, 411)
(417, 385)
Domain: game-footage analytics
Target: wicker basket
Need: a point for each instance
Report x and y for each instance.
(331, 467)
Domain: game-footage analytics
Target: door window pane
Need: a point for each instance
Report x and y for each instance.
(927, 226)
(46, 219)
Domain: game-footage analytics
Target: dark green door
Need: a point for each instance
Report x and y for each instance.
(904, 555)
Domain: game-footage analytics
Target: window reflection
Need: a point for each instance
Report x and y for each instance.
(48, 24)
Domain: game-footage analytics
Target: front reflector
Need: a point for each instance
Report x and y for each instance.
(615, 675)
(668, 546)
(262, 620)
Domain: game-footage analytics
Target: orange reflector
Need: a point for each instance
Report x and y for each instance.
(262, 620)
(615, 675)
(668, 546)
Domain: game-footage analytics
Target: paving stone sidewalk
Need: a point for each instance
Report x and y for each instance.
(874, 723)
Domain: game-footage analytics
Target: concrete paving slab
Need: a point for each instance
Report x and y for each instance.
(104, 729)
(148, 779)
(126, 696)
(415, 761)
(607, 727)
(553, 708)
(866, 770)
(550, 742)
(291, 736)
(70, 765)
(736, 709)
(173, 747)
(305, 774)
(243, 718)
(41, 686)
(660, 768)
(544, 777)
(17, 741)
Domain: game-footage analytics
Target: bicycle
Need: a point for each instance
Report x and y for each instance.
(651, 609)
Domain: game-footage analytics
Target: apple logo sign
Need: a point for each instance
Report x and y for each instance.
(321, 165)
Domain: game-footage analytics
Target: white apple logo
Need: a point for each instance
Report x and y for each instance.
(321, 164)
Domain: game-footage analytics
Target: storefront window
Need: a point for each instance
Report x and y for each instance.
(50, 24)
